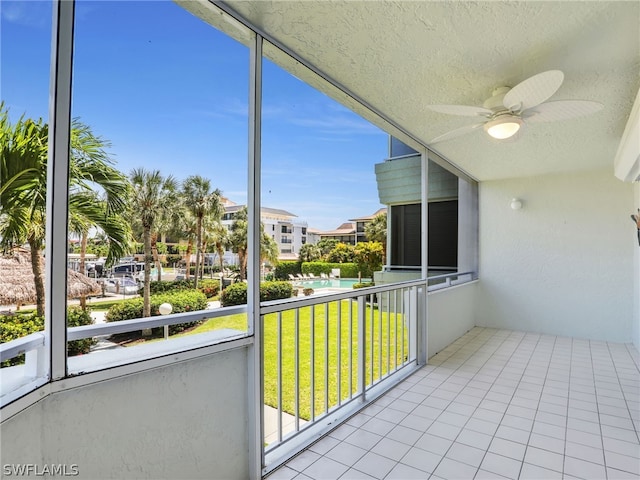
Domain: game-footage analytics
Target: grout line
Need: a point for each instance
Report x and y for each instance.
(624, 397)
(604, 457)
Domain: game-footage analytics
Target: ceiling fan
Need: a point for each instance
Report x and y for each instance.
(509, 109)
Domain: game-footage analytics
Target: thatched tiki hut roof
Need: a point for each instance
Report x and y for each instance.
(17, 286)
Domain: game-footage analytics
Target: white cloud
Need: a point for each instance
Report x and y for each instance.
(28, 13)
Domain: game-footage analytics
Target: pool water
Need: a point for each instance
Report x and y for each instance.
(328, 283)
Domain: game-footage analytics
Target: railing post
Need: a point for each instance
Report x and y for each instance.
(362, 339)
(413, 322)
(422, 325)
(35, 363)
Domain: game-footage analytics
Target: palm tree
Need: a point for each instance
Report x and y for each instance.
(376, 231)
(152, 196)
(23, 170)
(87, 211)
(185, 228)
(309, 253)
(268, 247)
(237, 241)
(219, 237)
(202, 202)
(213, 234)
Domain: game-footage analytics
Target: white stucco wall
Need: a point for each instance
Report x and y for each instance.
(564, 263)
(450, 315)
(186, 420)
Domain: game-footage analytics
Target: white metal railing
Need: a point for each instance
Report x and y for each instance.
(324, 354)
(446, 280)
(21, 345)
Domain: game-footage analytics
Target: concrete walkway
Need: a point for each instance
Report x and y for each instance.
(271, 424)
(102, 343)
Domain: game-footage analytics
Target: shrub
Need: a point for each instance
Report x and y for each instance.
(18, 325)
(363, 285)
(236, 294)
(75, 318)
(283, 269)
(125, 310)
(307, 291)
(173, 259)
(347, 270)
(209, 287)
(168, 286)
(181, 301)
(275, 291)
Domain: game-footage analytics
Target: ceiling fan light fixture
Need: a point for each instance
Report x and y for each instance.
(503, 127)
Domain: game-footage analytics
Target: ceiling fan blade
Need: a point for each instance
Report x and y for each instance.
(533, 91)
(456, 133)
(463, 110)
(561, 110)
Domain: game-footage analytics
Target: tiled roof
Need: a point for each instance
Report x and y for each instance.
(370, 217)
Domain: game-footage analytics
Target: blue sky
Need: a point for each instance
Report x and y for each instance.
(170, 93)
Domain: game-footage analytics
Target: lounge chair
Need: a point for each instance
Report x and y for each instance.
(324, 276)
(312, 276)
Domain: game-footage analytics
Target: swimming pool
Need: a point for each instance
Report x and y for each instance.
(328, 283)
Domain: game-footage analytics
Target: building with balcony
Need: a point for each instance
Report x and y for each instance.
(522, 363)
(351, 232)
(284, 227)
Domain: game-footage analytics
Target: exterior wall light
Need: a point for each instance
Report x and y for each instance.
(516, 204)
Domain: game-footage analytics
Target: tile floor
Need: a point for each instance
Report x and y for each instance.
(495, 404)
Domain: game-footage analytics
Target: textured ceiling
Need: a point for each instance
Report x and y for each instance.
(401, 56)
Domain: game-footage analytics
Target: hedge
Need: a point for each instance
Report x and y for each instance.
(18, 325)
(363, 285)
(168, 286)
(236, 294)
(286, 268)
(181, 301)
(347, 270)
(207, 286)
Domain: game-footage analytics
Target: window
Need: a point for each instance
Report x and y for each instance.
(331, 150)
(157, 95)
(26, 58)
(452, 216)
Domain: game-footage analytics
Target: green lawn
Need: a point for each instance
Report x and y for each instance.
(388, 323)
